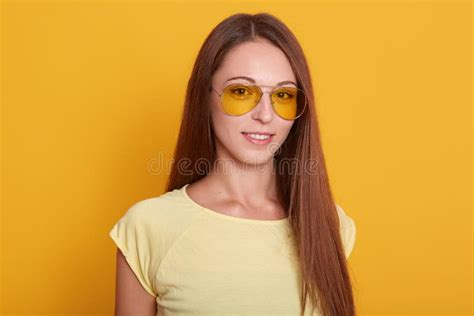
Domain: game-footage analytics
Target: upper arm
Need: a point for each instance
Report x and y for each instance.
(135, 287)
(130, 296)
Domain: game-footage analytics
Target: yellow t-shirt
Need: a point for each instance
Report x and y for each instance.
(196, 261)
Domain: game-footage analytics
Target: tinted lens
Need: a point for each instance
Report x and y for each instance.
(289, 102)
(238, 99)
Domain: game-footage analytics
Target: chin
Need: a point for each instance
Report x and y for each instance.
(256, 159)
(242, 155)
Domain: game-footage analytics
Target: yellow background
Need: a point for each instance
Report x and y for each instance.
(92, 93)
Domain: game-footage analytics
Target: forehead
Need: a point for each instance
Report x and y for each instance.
(260, 60)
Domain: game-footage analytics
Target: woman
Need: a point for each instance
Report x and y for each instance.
(248, 224)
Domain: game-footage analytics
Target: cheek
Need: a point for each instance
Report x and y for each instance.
(226, 128)
(284, 130)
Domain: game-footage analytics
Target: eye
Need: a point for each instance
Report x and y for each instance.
(240, 91)
(284, 95)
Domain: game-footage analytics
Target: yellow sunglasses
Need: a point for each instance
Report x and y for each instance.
(238, 99)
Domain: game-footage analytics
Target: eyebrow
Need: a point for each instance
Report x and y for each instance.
(253, 80)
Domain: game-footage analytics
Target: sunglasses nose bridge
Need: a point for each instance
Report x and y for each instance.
(264, 108)
(261, 95)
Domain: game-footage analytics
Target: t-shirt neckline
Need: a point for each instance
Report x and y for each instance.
(211, 212)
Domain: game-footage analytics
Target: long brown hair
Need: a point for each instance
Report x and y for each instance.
(305, 196)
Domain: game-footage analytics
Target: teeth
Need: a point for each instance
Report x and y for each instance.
(260, 137)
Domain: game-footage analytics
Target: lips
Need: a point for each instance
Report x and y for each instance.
(259, 138)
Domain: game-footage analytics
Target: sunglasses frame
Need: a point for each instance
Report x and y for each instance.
(260, 97)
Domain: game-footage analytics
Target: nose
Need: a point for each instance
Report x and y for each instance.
(264, 109)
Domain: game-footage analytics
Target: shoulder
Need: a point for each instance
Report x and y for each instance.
(146, 231)
(163, 210)
(347, 229)
(156, 221)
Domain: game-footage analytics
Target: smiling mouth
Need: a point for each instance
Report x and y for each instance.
(258, 135)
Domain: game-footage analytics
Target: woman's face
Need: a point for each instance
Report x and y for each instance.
(268, 66)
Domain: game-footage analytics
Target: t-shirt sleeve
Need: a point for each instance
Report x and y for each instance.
(130, 235)
(347, 230)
